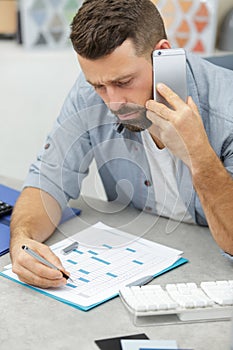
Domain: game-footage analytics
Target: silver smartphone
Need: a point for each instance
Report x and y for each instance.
(169, 67)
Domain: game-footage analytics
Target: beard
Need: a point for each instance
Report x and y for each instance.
(137, 124)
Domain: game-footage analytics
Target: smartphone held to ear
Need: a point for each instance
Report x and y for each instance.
(169, 67)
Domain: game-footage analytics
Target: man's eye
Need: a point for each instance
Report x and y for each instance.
(123, 83)
(99, 87)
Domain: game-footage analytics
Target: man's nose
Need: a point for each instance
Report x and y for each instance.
(115, 98)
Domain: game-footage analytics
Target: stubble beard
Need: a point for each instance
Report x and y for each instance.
(137, 124)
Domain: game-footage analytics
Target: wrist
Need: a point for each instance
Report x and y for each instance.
(203, 163)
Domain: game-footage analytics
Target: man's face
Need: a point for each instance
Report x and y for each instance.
(124, 82)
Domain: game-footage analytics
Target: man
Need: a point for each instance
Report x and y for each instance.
(174, 162)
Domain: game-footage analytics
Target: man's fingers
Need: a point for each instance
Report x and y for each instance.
(156, 119)
(31, 278)
(33, 267)
(155, 110)
(35, 273)
(48, 255)
(170, 96)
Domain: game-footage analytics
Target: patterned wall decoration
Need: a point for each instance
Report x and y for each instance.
(190, 24)
(45, 23)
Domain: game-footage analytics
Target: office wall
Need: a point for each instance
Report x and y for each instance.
(33, 86)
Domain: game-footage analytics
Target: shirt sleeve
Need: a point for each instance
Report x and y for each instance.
(64, 160)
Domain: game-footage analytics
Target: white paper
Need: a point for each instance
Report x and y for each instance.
(106, 260)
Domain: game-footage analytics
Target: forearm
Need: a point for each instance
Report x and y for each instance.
(182, 131)
(36, 215)
(214, 187)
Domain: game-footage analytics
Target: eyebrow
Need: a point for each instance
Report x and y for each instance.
(112, 81)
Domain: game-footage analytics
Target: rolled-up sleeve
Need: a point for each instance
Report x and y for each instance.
(66, 155)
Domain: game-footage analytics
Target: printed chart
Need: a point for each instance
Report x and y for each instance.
(106, 260)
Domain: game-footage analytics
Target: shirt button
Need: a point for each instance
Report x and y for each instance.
(147, 183)
(47, 146)
(148, 208)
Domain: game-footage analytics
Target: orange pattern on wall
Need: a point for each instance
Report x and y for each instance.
(169, 9)
(186, 5)
(201, 19)
(182, 35)
(190, 23)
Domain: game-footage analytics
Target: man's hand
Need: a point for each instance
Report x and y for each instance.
(180, 129)
(33, 272)
(35, 216)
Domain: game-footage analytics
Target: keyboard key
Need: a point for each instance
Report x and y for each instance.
(221, 292)
(188, 295)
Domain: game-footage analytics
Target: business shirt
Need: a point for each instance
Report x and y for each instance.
(86, 129)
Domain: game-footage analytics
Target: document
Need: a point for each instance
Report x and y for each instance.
(106, 260)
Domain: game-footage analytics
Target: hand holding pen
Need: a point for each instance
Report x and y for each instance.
(44, 261)
(32, 269)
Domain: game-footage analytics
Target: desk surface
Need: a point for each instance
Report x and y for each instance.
(30, 320)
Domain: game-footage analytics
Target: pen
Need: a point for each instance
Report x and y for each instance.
(141, 281)
(43, 261)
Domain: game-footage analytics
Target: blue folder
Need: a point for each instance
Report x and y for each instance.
(9, 195)
(4, 239)
(178, 263)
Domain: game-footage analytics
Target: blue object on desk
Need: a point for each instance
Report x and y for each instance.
(178, 263)
(4, 239)
(9, 195)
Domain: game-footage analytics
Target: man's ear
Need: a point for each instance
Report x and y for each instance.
(162, 44)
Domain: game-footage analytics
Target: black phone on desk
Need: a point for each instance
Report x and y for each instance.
(169, 67)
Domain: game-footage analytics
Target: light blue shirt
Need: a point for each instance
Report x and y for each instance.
(86, 129)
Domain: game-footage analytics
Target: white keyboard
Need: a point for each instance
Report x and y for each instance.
(182, 301)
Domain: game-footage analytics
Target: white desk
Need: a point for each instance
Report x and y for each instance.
(31, 321)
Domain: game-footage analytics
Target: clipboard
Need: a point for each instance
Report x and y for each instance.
(98, 266)
(178, 263)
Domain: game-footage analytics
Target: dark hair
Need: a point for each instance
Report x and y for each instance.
(100, 26)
